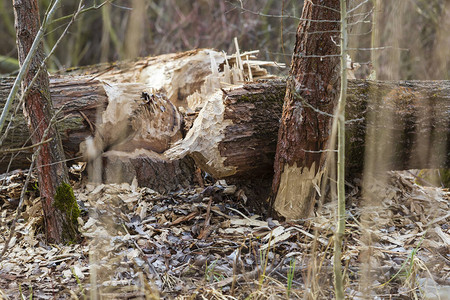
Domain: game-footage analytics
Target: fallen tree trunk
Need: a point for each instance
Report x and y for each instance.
(122, 135)
(80, 98)
(235, 134)
(118, 123)
(177, 74)
(186, 79)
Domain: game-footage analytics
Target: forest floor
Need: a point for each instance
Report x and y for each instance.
(204, 243)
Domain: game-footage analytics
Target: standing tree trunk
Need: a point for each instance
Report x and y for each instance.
(310, 100)
(59, 205)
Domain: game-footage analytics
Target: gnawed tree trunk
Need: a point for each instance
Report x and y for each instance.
(236, 134)
(253, 112)
(129, 138)
(177, 74)
(187, 79)
(184, 77)
(132, 131)
(58, 202)
(132, 136)
(304, 132)
(246, 144)
(239, 139)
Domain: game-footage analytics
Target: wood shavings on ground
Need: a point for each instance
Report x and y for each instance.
(140, 244)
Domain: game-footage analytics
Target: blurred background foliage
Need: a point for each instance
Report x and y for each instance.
(411, 34)
(409, 37)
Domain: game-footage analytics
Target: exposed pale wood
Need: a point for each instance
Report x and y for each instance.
(249, 141)
(116, 118)
(239, 139)
(103, 111)
(178, 75)
(130, 123)
(234, 134)
(313, 84)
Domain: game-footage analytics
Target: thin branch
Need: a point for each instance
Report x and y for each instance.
(25, 148)
(326, 7)
(366, 13)
(360, 34)
(121, 7)
(363, 19)
(379, 48)
(82, 11)
(354, 120)
(325, 31)
(314, 32)
(281, 30)
(288, 17)
(357, 6)
(297, 95)
(316, 56)
(58, 162)
(305, 56)
(340, 228)
(319, 151)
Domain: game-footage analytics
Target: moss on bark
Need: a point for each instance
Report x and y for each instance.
(65, 201)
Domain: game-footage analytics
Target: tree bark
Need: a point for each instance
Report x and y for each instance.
(79, 97)
(252, 113)
(185, 78)
(60, 224)
(420, 113)
(116, 131)
(304, 132)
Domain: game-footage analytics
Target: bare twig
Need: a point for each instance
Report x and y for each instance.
(357, 6)
(288, 17)
(95, 7)
(303, 101)
(25, 148)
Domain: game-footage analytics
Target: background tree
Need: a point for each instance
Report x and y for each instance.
(257, 25)
(307, 112)
(98, 32)
(59, 205)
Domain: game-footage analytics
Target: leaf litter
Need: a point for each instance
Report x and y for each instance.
(203, 243)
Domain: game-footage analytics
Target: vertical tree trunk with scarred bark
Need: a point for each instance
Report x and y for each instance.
(59, 206)
(310, 98)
